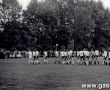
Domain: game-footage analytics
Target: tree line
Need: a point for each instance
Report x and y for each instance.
(55, 24)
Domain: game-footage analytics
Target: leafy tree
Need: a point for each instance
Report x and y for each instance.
(42, 22)
(101, 17)
(86, 23)
(11, 10)
(10, 13)
(16, 36)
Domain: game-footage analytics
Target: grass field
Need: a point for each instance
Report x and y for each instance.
(19, 75)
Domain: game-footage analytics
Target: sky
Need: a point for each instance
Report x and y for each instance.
(26, 2)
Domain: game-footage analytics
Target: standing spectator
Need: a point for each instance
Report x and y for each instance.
(45, 56)
(30, 57)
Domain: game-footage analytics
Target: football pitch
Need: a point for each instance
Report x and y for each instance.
(19, 75)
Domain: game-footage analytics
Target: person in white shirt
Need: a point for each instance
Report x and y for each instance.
(78, 56)
(11, 54)
(105, 55)
(66, 55)
(35, 56)
(45, 57)
(96, 54)
(19, 54)
(62, 53)
(86, 57)
(62, 57)
(81, 57)
(69, 57)
(92, 54)
(69, 54)
(96, 57)
(107, 61)
(30, 57)
(57, 55)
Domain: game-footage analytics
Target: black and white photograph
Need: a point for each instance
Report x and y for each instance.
(54, 44)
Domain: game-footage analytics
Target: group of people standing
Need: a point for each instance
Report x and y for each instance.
(67, 57)
(82, 57)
